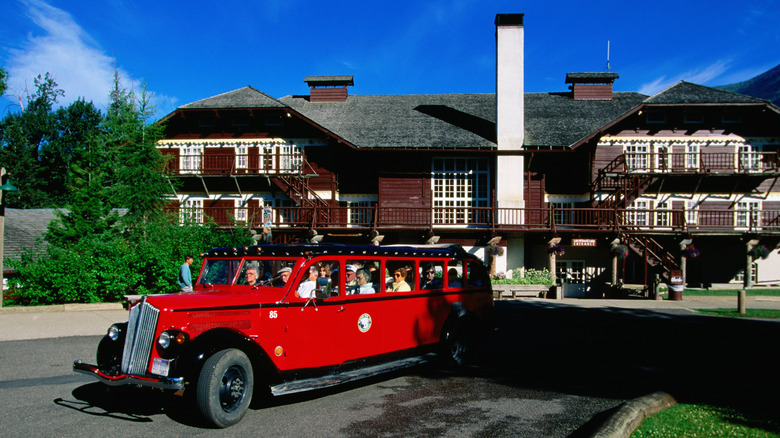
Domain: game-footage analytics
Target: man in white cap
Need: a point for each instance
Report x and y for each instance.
(351, 281)
(282, 276)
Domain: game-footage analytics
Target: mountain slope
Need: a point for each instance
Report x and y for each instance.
(764, 86)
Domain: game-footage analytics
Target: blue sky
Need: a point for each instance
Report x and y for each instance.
(189, 50)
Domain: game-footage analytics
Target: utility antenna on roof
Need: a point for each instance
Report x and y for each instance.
(607, 67)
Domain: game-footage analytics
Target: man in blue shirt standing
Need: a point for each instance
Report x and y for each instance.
(185, 277)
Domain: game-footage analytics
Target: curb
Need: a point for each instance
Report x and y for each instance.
(630, 414)
(62, 308)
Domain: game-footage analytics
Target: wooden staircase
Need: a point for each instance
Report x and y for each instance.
(662, 261)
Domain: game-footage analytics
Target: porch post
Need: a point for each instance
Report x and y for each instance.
(747, 281)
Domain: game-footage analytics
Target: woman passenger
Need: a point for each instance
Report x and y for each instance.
(399, 283)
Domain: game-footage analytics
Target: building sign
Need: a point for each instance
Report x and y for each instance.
(676, 277)
(583, 242)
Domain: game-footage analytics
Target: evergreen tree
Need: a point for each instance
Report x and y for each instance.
(23, 136)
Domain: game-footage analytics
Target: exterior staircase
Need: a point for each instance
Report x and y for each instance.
(662, 261)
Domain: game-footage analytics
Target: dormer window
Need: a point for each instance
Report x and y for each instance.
(731, 116)
(207, 122)
(694, 117)
(656, 117)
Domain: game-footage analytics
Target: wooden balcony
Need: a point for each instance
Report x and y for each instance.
(694, 162)
(466, 219)
(268, 164)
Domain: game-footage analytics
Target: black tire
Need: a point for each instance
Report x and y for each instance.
(225, 387)
(456, 342)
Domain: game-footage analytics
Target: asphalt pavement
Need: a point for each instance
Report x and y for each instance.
(21, 323)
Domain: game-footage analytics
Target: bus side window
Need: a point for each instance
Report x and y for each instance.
(431, 275)
(401, 276)
(476, 275)
(367, 277)
(455, 273)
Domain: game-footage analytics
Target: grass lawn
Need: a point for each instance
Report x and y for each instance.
(691, 420)
(757, 292)
(749, 313)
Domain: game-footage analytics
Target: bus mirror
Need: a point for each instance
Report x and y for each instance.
(323, 288)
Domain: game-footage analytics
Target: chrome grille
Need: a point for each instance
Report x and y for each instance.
(140, 338)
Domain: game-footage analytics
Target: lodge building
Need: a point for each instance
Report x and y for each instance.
(604, 186)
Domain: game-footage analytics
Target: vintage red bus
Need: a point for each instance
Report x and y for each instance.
(288, 318)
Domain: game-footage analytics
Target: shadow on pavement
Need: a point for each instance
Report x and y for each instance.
(628, 353)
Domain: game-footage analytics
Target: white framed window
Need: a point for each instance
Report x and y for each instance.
(241, 209)
(459, 185)
(242, 159)
(638, 213)
(637, 157)
(290, 158)
(749, 158)
(663, 215)
(190, 158)
(663, 160)
(361, 213)
(692, 156)
(748, 214)
(191, 211)
(691, 212)
(563, 213)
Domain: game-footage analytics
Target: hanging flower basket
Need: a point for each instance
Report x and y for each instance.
(495, 250)
(690, 252)
(558, 250)
(759, 251)
(620, 250)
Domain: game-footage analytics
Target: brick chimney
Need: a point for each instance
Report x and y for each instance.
(591, 86)
(328, 88)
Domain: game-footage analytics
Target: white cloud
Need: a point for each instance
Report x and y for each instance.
(702, 76)
(66, 51)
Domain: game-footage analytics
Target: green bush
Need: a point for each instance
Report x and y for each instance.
(108, 266)
(532, 276)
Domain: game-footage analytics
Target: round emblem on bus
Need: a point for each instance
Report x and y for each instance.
(364, 322)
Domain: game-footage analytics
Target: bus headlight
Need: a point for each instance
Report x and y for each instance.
(171, 337)
(114, 332)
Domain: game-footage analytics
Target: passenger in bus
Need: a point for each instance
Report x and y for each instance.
(252, 275)
(308, 286)
(399, 283)
(429, 280)
(453, 279)
(363, 279)
(282, 276)
(324, 270)
(351, 285)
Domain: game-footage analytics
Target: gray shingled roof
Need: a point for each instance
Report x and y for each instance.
(23, 228)
(449, 121)
(459, 120)
(555, 119)
(685, 92)
(247, 97)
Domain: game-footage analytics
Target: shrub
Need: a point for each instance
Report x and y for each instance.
(531, 276)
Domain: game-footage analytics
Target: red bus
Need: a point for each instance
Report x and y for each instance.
(280, 319)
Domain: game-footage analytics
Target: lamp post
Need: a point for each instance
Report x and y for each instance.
(6, 186)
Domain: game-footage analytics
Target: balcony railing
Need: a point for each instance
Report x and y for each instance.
(508, 219)
(271, 163)
(696, 162)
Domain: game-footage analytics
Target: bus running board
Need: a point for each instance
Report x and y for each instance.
(329, 380)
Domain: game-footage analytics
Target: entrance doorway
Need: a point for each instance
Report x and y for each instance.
(572, 273)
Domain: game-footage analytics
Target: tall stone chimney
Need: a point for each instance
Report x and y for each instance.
(510, 85)
(510, 115)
